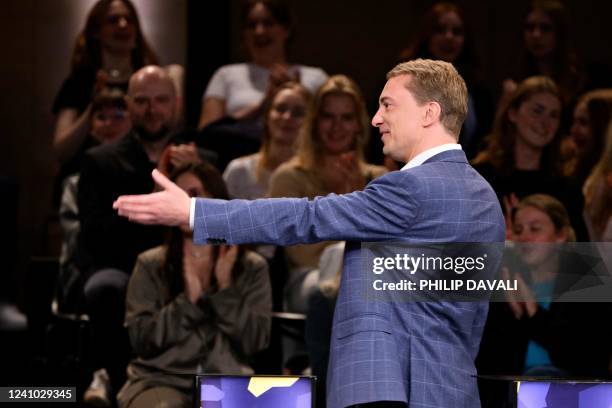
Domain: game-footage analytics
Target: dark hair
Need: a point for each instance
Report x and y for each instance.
(172, 267)
(500, 147)
(279, 10)
(87, 53)
(567, 72)
(467, 61)
(109, 98)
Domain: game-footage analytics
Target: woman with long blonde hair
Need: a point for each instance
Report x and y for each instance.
(329, 159)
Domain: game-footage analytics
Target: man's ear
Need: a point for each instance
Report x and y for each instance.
(432, 113)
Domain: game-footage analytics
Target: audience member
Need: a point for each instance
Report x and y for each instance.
(238, 90)
(109, 245)
(523, 154)
(548, 50)
(585, 144)
(598, 195)
(534, 332)
(248, 177)
(329, 159)
(109, 121)
(107, 51)
(109, 48)
(193, 309)
(443, 35)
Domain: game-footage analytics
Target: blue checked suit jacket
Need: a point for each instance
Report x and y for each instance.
(421, 353)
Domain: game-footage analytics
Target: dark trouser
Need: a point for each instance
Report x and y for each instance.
(105, 297)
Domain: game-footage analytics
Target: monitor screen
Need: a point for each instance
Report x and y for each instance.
(227, 391)
(563, 394)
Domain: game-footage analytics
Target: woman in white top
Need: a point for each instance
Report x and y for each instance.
(238, 90)
(247, 177)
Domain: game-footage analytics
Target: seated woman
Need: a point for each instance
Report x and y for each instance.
(547, 50)
(586, 142)
(193, 309)
(109, 49)
(522, 156)
(248, 177)
(598, 195)
(534, 332)
(444, 35)
(238, 90)
(329, 159)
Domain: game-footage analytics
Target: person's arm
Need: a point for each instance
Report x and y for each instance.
(384, 209)
(244, 311)
(213, 109)
(153, 326)
(71, 130)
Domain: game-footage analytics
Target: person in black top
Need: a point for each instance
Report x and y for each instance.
(522, 156)
(444, 35)
(108, 244)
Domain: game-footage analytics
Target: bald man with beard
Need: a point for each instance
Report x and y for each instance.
(109, 244)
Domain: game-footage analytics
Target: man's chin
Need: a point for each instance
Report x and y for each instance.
(152, 135)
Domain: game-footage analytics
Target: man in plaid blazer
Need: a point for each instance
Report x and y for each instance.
(383, 354)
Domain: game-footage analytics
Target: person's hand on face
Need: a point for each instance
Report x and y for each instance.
(169, 207)
(225, 263)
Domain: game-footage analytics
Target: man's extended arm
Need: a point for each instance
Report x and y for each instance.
(385, 209)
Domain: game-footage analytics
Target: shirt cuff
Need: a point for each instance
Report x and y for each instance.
(192, 213)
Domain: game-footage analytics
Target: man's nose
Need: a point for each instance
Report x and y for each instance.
(376, 119)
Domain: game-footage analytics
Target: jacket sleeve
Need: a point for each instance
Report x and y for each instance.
(385, 208)
(154, 325)
(243, 312)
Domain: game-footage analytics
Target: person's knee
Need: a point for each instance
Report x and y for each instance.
(106, 286)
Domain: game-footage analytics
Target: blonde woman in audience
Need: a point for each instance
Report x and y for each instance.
(598, 195)
(248, 177)
(329, 159)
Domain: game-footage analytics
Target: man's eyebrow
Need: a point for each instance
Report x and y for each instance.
(384, 99)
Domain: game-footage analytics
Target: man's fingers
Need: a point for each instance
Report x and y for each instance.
(133, 200)
(163, 181)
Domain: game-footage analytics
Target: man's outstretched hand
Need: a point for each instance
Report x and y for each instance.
(167, 207)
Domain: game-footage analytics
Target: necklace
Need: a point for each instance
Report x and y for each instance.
(196, 254)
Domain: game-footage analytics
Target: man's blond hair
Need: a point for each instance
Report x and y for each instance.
(437, 81)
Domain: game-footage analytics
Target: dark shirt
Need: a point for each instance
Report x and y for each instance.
(527, 182)
(77, 91)
(108, 171)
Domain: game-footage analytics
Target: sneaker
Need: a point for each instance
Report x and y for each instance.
(11, 319)
(97, 394)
